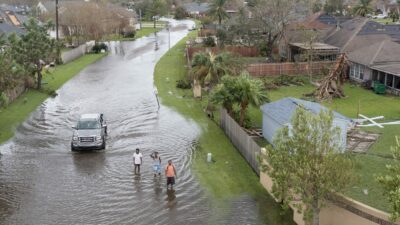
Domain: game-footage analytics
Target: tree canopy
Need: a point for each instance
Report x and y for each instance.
(242, 91)
(306, 165)
(391, 182)
(32, 49)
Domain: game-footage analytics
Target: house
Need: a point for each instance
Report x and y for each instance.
(378, 62)
(278, 114)
(300, 32)
(196, 9)
(373, 50)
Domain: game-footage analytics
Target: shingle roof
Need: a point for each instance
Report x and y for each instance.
(383, 56)
(282, 111)
(361, 32)
(196, 7)
(6, 28)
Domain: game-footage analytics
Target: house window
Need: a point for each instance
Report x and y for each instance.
(357, 71)
(361, 72)
(389, 80)
(397, 82)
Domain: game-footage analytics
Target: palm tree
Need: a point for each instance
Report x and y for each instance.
(363, 8)
(224, 92)
(242, 90)
(208, 68)
(249, 92)
(217, 10)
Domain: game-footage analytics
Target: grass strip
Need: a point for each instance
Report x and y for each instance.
(17, 111)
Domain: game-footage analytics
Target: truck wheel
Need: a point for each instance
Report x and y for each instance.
(103, 146)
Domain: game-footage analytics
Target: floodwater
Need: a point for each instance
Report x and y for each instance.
(43, 182)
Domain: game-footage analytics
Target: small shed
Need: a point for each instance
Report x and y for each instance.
(279, 114)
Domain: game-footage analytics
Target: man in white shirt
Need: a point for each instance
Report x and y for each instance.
(137, 160)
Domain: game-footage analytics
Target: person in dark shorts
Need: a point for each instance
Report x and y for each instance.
(170, 173)
(137, 160)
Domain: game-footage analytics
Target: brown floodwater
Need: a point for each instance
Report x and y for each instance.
(43, 182)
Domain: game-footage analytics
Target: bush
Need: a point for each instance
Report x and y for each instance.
(180, 13)
(209, 42)
(183, 84)
(98, 47)
(206, 20)
(247, 120)
(4, 101)
(129, 32)
(222, 37)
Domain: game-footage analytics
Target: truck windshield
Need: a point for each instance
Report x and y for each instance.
(88, 124)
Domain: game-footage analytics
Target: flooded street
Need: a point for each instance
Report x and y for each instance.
(43, 182)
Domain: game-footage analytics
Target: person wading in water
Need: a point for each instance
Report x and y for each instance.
(170, 173)
(137, 160)
(156, 163)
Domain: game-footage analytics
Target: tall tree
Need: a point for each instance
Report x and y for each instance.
(271, 18)
(363, 8)
(305, 164)
(391, 182)
(241, 90)
(334, 7)
(33, 49)
(218, 10)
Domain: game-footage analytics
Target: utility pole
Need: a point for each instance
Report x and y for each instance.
(58, 60)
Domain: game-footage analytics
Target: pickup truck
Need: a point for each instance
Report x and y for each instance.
(89, 133)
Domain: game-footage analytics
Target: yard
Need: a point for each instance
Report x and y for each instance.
(145, 31)
(373, 162)
(17, 111)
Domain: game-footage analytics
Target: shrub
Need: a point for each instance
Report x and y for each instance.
(180, 13)
(98, 47)
(247, 120)
(183, 84)
(3, 100)
(129, 32)
(209, 42)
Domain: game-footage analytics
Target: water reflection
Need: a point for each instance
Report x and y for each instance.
(89, 162)
(171, 199)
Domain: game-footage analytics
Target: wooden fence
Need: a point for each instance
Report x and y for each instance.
(241, 140)
(239, 50)
(274, 69)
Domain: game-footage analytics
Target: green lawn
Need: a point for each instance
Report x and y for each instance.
(384, 21)
(145, 31)
(229, 176)
(17, 111)
(369, 104)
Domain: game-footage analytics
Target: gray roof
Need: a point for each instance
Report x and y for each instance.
(361, 32)
(6, 28)
(282, 111)
(196, 7)
(393, 69)
(382, 56)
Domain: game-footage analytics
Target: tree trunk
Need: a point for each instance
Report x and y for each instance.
(154, 22)
(39, 76)
(315, 212)
(243, 107)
